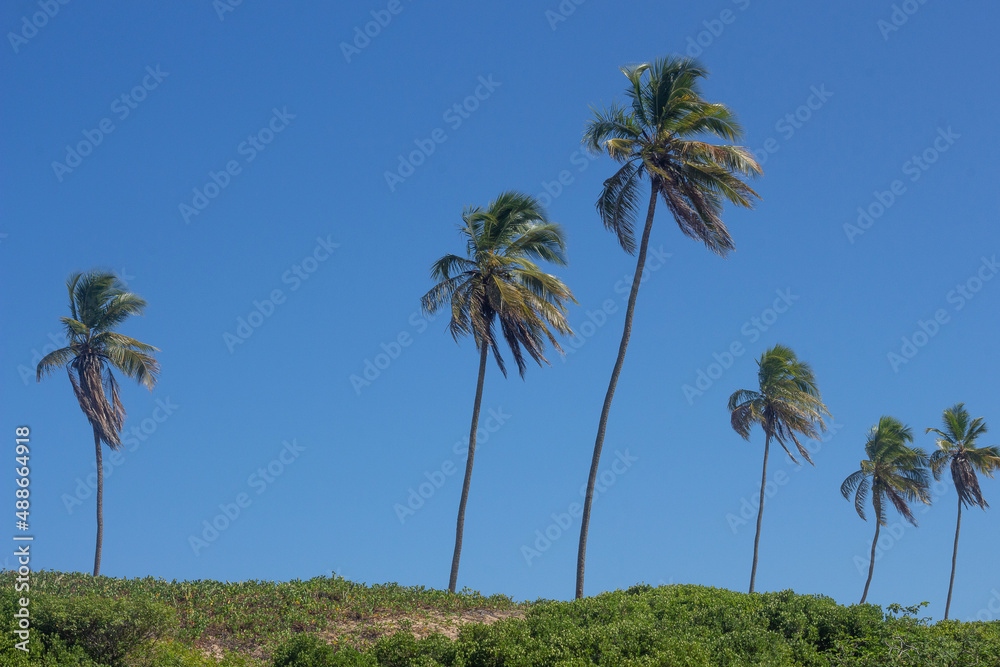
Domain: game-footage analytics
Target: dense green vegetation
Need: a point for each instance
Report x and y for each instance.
(104, 622)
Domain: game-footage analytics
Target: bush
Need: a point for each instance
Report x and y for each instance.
(310, 651)
(106, 630)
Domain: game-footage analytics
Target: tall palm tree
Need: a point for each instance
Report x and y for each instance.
(498, 283)
(957, 444)
(892, 470)
(98, 303)
(787, 403)
(654, 137)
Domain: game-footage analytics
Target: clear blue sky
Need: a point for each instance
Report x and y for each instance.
(214, 157)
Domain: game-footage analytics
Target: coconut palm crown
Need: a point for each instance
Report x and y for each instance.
(498, 283)
(654, 137)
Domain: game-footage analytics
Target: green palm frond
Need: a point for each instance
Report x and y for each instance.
(53, 360)
(619, 204)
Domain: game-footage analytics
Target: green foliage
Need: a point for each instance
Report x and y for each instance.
(310, 651)
(83, 621)
(107, 630)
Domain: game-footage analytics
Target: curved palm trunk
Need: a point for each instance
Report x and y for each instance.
(100, 504)
(468, 470)
(581, 558)
(871, 567)
(954, 558)
(760, 512)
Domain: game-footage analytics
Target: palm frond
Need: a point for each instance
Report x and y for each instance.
(619, 203)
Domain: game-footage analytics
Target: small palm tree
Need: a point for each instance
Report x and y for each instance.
(497, 283)
(98, 303)
(957, 445)
(656, 139)
(787, 403)
(892, 470)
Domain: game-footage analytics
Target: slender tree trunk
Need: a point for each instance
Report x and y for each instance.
(954, 559)
(871, 567)
(760, 511)
(100, 504)
(581, 560)
(468, 469)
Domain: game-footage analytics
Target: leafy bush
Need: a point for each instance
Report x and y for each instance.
(310, 651)
(107, 630)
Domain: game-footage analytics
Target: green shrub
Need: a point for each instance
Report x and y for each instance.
(310, 651)
(107, 630)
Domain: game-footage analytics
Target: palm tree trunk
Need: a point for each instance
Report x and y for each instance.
(760, 511)
(468, 470)
(954, 559)
(871, 567)
(581, 559)
(100, 503)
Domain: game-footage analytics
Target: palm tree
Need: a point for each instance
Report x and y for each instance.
(892, 470)
(497, 283)
(957, 444)
(98, 303)
(788, 402)
(653, 137)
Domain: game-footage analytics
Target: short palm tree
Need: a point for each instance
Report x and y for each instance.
(787, 403)
(893, 471)
(957, 444)
(497, 283)
(655, 138)
(98, 303)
